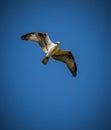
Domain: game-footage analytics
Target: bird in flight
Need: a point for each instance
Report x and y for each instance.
(52, 50)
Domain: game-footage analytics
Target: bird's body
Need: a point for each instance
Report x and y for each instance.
(52, 50)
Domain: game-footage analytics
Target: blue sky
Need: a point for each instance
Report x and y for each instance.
(39, 97)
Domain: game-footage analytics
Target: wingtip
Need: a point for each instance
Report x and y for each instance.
(22, 37)
(74, 73)
(26, 36)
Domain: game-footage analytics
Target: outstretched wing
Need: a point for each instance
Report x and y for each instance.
(68, 59)
(41, 38)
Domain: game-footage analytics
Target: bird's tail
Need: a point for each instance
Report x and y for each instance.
(45, 60)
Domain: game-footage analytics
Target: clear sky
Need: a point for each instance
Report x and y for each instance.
(34, 96)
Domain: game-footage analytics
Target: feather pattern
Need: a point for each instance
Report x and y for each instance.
(52, 50)
(67, 58)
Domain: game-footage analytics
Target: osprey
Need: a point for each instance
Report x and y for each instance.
(52, 50)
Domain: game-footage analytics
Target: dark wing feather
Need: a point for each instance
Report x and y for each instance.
(41, 38)
(68, 59)
(44, 42)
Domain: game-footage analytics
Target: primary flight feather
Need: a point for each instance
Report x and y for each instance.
(52, 50)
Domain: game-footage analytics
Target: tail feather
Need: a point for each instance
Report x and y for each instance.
(45, 60)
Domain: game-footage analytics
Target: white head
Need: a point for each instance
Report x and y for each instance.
(58, 43)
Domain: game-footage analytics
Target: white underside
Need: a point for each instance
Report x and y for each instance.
(54, 49)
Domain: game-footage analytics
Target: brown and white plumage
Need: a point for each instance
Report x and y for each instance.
(52, 50)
